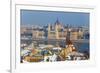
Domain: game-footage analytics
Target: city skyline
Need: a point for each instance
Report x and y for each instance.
(42, 18)
(54, 42)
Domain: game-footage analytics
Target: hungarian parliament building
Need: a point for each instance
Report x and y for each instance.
(54, 31)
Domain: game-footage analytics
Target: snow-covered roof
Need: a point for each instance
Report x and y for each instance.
(55, 48)
(76, 53)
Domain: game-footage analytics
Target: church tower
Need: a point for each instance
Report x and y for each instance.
(69, 45)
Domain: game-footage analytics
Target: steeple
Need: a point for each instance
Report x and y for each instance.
(57, 22)
(68, 41)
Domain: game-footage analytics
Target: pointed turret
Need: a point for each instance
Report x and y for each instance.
(57, 22)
